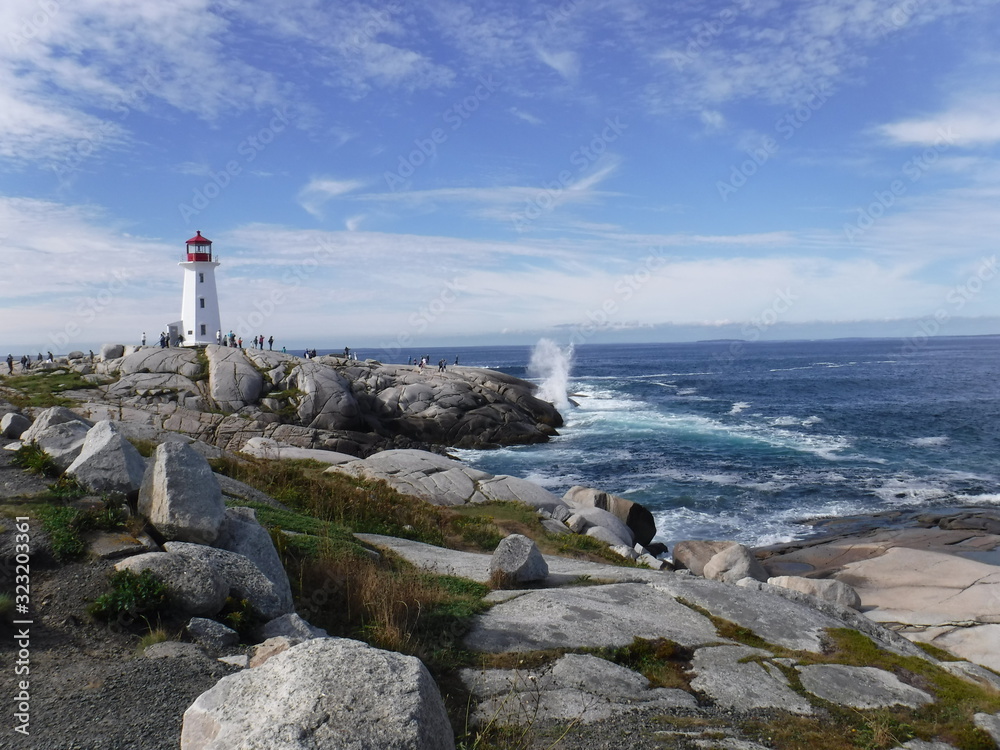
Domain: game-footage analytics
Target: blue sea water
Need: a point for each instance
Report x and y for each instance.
(745, 441)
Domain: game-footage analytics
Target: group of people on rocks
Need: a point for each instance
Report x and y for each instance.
(26, 361)
(426, 360)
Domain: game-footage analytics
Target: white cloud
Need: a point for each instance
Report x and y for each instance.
(970, 123)
(320, 190)
(526, 116)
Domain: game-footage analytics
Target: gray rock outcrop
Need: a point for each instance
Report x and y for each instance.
(266, 598)
(194, 586)
(638, 519)
(234, 382)
(50, 418)
(734, 564)
(579, 688)
(860, 687)
(322, 693)
(517, 559)
(827, 589)
(13, 425)
(211, 634)
(694, 554)
(725, 674)
(108, 463)
(62, 442)
(291, 626)
(241, 533)
(180, 495)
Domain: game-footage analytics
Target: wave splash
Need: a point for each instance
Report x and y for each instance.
(552, 364)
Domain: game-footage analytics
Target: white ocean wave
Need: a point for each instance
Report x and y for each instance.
(739, 406)
(930, 442)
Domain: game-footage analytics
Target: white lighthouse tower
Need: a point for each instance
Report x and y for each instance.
(200, 307)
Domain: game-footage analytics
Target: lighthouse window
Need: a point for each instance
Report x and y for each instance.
(201, 302)
(203, 329)
(201, 280)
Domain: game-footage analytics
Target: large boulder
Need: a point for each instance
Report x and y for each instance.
(233, 381)
(180, 495)
(734, 564)
(195, 587)
(62, 442)
(633, 515)
(267, 599)
(327, 400)
(112, 351)
(49, 418)
(693, 554)
(827, 589)
(13, 425)
(322, 693)
(108, 463)
(517, 560)
(613, 531)
(241, 533)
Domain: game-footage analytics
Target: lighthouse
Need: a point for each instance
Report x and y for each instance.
(200, 304)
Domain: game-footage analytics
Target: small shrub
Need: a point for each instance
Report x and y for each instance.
(236, 614)
(137, 595)
(157, 635)
(59, 523)
(32, 458)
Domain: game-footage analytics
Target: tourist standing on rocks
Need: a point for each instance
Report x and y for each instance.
(270, 343)
(143, 338)
(10, 364)
(25, 362)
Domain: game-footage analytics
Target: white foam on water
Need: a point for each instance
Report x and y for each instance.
(988, 498)
(739, 406)
(929, 442)
(552, 364)
(908, 491)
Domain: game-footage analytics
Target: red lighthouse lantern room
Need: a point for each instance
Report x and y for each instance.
(199, 248)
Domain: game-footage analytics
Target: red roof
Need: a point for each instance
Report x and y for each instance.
(198, 240)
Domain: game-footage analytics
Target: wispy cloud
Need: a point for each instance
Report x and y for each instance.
(320, 190)
(972, 122)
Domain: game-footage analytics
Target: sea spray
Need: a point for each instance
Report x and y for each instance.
(552, 364)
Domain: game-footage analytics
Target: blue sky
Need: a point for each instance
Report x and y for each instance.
(383, 175)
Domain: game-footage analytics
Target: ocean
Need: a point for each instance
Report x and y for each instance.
(747, 441)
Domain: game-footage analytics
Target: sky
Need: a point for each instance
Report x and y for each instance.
(391, 175)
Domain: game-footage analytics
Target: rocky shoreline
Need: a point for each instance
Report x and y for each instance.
(739, 638)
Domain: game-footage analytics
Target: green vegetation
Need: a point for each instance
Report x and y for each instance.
(64, 524)
(43, 388)
(32, 458)
(133, 595)
(145, 447)
(6, 607)
(154, 636)
(661, 661)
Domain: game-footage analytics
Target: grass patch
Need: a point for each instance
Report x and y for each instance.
(145, 447)
(32, 458)
(202, 359)
(356, 504)
(64, 525)
(133, 595)
(154, 636)
(663, 662)
(44, 389)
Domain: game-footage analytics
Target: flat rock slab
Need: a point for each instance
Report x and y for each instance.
(977, 643)
(723, 675)
(860, 687)
(261, 447)
(588, 617)
(924, 587)
(475, 565)
(577, 687)
(774, 618)
(989, 723)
